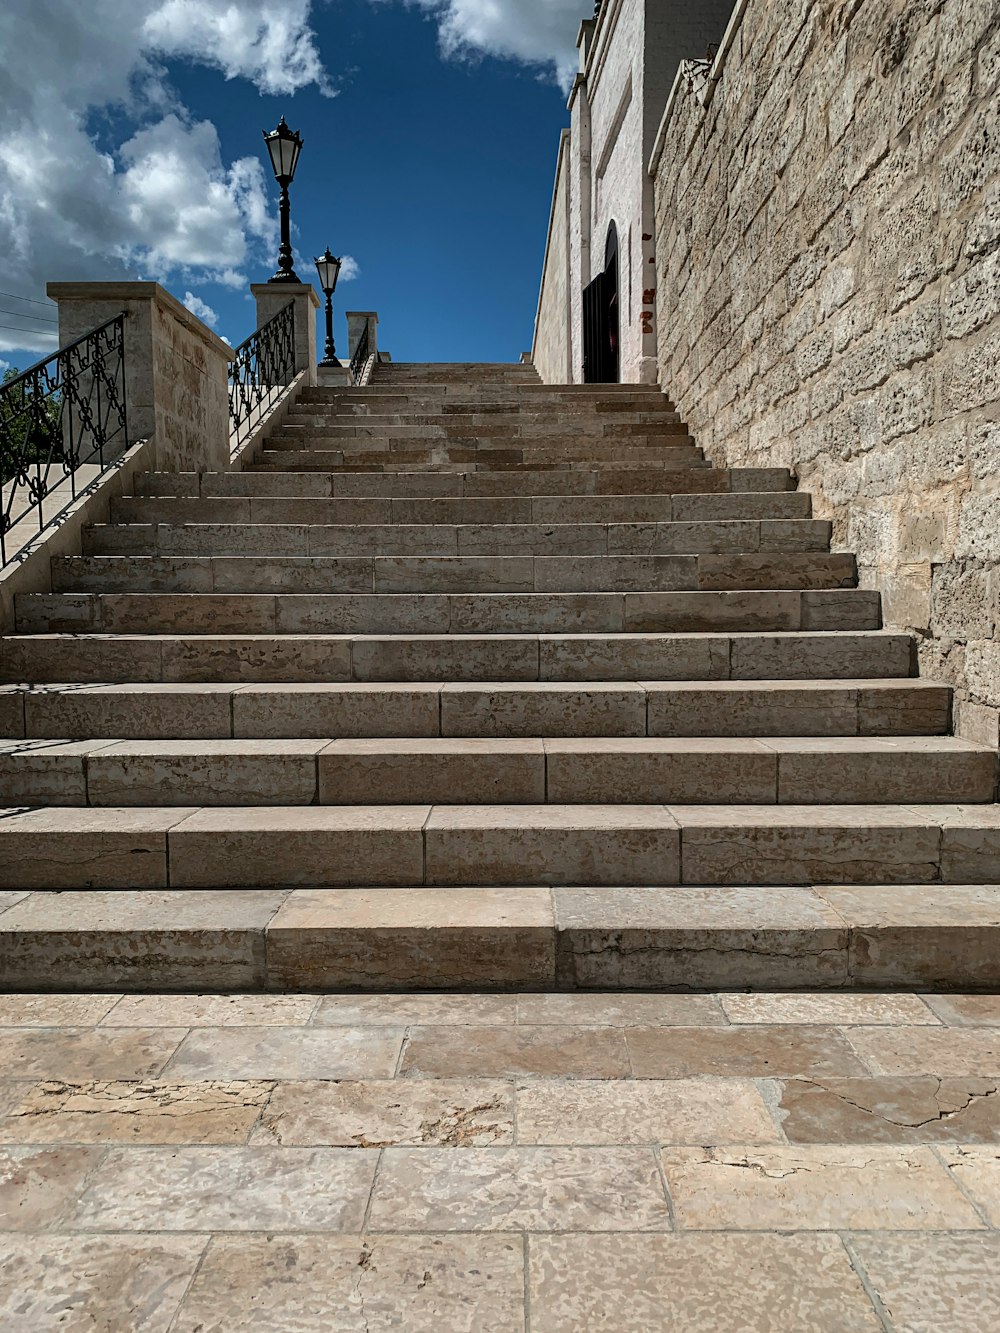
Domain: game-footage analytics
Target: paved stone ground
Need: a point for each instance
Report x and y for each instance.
(553, 1163)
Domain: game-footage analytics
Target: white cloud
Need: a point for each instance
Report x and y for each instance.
(349, 269)
(163, 204)
(535, 32)
(201, 309)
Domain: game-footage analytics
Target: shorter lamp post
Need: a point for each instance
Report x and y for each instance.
(284, 146)
(328, 268)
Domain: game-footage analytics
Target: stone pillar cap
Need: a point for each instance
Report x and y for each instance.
(290, 288)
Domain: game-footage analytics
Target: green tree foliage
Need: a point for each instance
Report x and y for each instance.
(30, 424)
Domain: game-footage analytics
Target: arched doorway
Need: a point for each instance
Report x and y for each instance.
(601, 320)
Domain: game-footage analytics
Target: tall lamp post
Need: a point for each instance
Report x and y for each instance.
(328, 268)
(284, 146)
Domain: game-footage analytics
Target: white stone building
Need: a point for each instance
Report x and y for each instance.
(602, 219)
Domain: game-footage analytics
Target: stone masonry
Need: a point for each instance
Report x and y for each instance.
(828, 272)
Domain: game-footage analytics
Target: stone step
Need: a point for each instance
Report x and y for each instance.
(410, 424)
(737, 536)
(920, 937)
(360, 451)
(477, 484)
(452, 573)
(610, 846)
(490, 509)
(474, 771)
(821, 609)
(462, 462)
(441, 657)
(350, 709)
(497, 416)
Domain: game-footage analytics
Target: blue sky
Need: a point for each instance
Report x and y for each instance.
(431, 165)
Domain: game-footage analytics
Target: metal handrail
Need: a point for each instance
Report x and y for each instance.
(262, 367)
(64, 413)
(359, 360)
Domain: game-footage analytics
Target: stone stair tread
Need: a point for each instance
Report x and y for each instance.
(261, 658)
(913, 937)
(440, 845)
(464, 770)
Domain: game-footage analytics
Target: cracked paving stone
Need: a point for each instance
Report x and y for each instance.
(69, 1284)
(814, 1188)
(384, 1114)
(210, 1011)
(340, 1284)
(832, 1008)
(135, 1112)
(890, 1110)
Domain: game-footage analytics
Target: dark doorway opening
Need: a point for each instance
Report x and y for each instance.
(601, 320)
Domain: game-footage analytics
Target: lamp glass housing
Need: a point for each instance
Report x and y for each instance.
(328, 268)
(284, 146)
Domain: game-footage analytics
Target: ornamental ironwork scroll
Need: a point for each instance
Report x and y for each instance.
(261, 368)
(63, 423)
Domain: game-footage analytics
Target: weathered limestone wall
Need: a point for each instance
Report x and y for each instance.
(551, 352)
(828, 263)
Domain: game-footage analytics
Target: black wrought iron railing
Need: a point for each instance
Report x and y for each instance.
(261, 368)
(63, 423)
(359, 361)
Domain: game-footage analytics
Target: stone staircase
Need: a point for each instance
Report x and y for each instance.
(476, 682)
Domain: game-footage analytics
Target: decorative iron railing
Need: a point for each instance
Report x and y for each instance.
(261, 368)
(361, 357)
(63, 423)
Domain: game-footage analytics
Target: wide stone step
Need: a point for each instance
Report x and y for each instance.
(606, 508)
(607, 846)
(473, 484)
(297, 710)
(452, 657)
(446, 573)
(450, 539)
(448, 613)
(313, 451)
(931, 937)
(516, 424)
(477, 771)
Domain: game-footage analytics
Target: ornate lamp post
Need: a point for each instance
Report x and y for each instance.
(328, 268)
(284, 146)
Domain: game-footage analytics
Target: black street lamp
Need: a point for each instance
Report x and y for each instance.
(328, 268)
(284, 146)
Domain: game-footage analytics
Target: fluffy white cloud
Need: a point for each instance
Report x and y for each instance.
(535, 32)
(162, 204)
(349, 269)
(201, 309)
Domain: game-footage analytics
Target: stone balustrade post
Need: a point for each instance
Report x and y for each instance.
(176, 369)
(272, 297)
(357, 322)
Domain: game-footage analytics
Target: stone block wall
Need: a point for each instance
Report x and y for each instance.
(828, 295)
(551, 351)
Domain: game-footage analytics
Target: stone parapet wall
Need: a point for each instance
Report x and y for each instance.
(828, 261)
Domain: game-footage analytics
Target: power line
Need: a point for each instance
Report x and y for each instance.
(17, 314)
(38, 333)
(30, 300)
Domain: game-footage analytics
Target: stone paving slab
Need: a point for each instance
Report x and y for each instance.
(526, 1162)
